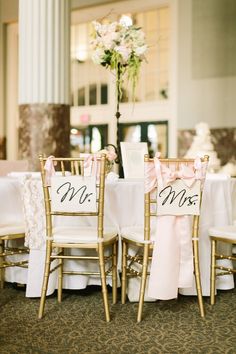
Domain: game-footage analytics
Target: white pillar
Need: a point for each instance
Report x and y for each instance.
(44, 78)
(44, 51)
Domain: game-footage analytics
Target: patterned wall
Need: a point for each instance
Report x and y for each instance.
(223, 139)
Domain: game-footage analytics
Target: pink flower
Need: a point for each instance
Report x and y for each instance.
(111, 155)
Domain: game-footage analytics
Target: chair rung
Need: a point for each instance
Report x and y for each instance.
(227, 270)
(55, 268)
(136, 259)
(14, 264)
(74, 257)
(132, 272)
(109, 270)
(70, 272)
(60, 213)
(224, 273)
(12, 251)
(223, 256)
(106, 258)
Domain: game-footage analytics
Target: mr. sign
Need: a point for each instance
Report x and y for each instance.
(73, 194)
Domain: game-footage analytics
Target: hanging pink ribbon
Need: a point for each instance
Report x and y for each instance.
(172, 260)
(50, 170)
(91, 161)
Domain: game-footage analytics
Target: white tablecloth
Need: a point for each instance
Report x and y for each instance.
(123, 207)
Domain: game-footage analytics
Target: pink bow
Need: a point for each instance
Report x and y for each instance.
(50, 170)
(162, 175)
(185, 173)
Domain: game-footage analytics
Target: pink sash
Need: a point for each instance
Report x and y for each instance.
(172, 261)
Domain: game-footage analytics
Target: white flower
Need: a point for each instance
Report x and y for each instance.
(140, 50)
(109, 40)
(123, 51)
(97, 26)
(97, 56)
(114, 26)
(111, 155)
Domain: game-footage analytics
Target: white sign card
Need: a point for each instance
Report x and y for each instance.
(178, 199)
(73, 194)
(133, 159)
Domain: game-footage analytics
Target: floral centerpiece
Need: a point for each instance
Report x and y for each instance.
(120, 48)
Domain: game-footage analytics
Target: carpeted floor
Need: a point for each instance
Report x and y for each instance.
(78, 326)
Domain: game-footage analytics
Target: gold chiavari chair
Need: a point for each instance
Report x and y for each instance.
(224, 235)
(138, 265)
(88, 238)
(11, 245)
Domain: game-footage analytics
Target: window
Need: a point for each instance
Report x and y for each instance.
(88, 139)
(154, 133)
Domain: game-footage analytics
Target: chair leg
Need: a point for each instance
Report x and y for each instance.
(103, 281)
(124, 272)
(198, 277)
(114, 273)
(143, 282)
(1, 265)
(45, 281)
(213, 272)
(60, 279)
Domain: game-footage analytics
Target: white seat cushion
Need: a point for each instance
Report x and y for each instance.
(81, 235)
(228, 231)
(13, 229)
(135, 234)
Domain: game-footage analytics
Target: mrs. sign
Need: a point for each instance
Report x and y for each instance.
(177, 198)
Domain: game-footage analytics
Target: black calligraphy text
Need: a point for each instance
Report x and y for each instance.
(70, 192)
(180, 197)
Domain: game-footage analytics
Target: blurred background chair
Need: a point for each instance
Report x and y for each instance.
(138, 264)
(223, 247)
(7, 166)
(11, 245)
(12, 234)
(86, 238)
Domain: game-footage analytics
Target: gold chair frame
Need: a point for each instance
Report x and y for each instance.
(77, 168)
(6, 251)
(144, 257)
(215, 255)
